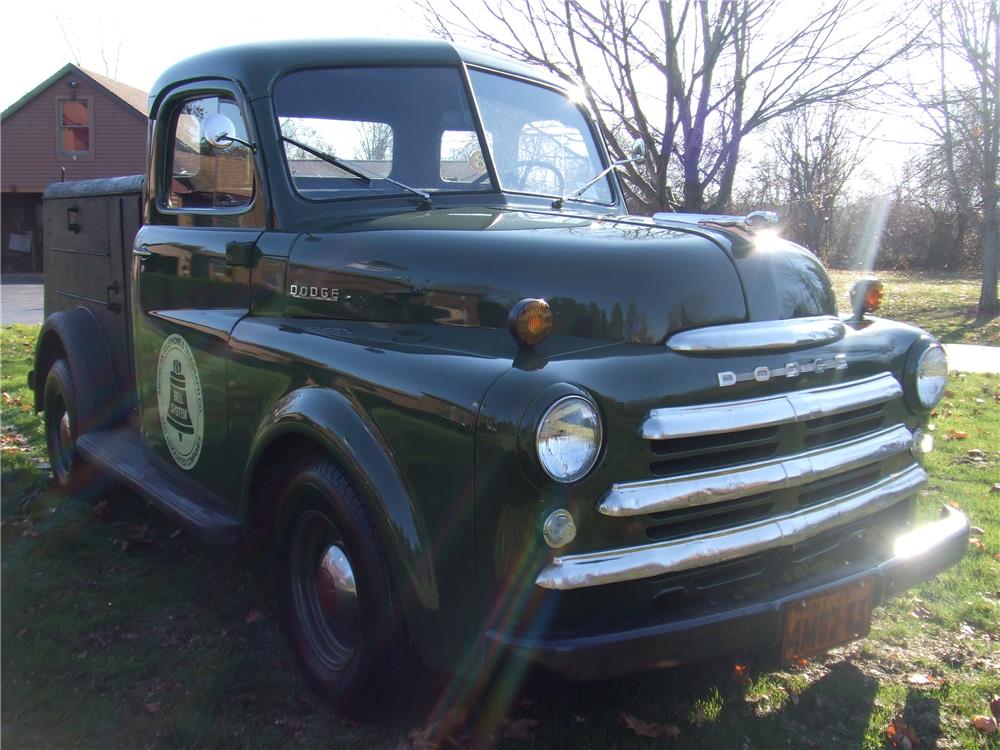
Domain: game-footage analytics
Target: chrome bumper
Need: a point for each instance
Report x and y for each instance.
(674, 555)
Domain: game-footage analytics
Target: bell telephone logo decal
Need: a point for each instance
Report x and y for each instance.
(182, 411)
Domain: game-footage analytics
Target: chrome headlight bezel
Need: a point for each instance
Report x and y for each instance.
(546, 432)
(927, 375)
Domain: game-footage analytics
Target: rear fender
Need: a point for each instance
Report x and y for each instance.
(77, 334)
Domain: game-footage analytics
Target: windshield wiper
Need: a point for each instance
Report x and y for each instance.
(425, 198)
(638, 154)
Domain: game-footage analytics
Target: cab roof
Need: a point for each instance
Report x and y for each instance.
(255, 67)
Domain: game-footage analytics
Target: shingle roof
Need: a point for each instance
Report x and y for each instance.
(129, 95)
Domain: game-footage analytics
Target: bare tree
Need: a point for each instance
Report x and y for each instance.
(964, 114)
(690, 78)
(814, 154)
(374, 141)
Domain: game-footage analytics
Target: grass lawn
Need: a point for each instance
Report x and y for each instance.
(943, 304)
(120, 631)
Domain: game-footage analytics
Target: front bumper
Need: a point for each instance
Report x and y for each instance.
(753, 626)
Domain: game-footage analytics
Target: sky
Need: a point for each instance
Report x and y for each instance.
(135, 41)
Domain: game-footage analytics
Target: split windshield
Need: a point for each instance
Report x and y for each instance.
(361, 131)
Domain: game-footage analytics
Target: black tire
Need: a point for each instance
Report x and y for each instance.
(328, 537)
(61, 428)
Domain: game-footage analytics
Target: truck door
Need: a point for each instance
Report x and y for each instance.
(192, 267)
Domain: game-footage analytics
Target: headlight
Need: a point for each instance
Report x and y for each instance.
(932, 376)
(569, 438)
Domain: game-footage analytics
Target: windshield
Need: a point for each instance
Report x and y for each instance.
(539, 139)
(411, 125)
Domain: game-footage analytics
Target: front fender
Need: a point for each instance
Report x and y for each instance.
(329, 418)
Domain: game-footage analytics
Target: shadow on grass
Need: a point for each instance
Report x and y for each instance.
(119, 631)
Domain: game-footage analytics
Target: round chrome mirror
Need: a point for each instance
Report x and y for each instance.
(218, 131)
(638, 149)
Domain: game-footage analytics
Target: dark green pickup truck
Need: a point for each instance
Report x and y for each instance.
(383, 304)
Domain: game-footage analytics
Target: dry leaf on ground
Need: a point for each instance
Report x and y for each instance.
(650, 728)
(900, 735)
(985, 724)
(254, 616)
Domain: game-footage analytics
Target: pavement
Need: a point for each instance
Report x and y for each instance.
(973, 358)
(21, 302)
(21, 298)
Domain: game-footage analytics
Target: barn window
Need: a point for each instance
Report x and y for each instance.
(74, 126)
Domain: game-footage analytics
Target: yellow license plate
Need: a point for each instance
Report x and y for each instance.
(818, 623)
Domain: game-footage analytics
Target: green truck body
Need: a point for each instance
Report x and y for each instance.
(276, 336)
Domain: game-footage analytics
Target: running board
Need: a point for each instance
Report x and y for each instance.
(121, 455)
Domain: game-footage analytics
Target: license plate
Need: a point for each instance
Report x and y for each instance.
(820, 622)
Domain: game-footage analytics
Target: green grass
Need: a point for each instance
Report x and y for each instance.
(943, 304)
(120, 632)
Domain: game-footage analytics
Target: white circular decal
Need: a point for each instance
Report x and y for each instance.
(178, 392)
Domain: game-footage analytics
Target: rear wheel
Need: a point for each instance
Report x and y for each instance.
(342, 618)
(61, 427)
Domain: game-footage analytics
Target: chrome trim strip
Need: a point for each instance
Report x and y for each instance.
(674, 555)
(707, 487)
(797, 406)
(760, 335)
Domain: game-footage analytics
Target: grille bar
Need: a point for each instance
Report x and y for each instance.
(709, 487)
(798, 406)
(674, 555)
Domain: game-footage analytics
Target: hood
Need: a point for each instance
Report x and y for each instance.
(615, 280)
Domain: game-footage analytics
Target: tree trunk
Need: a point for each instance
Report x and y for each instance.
(990, 236)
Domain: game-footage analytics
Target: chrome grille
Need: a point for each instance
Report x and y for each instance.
(739, 478)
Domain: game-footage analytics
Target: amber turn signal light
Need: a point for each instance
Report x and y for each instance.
(866, 296)
(530, 321)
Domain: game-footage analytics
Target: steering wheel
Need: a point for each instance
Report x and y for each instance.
(522, 168)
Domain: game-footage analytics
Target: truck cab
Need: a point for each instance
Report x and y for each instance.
(383, 306)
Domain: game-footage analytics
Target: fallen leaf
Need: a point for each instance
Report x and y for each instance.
(921, 613)
(580, 719)
(956, 435)
(995, 707)
(985, 724)
(900, 735)
(740, 675)
(995, 487)
(650, 728)
(976, 531)
(153, 708)
(254, 616)
(919, 678)
(954, 505)
(518, 729)
(977, 543)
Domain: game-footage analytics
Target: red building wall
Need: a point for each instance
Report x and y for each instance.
(29, 146)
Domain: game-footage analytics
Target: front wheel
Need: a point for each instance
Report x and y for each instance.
(344, 624)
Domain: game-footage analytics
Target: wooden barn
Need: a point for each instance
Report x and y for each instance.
(75, 125)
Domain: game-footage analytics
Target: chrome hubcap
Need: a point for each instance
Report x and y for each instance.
(65, 431)
(338, 595)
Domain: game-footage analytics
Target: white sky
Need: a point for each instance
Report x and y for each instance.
(138, 40)
(154, 35)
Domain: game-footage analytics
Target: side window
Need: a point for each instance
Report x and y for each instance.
(462, 158)
(199, 175)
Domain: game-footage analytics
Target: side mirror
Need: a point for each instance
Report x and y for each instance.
(218, 131)
(638, 150)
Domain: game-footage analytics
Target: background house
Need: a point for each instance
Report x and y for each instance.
(75, 125)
